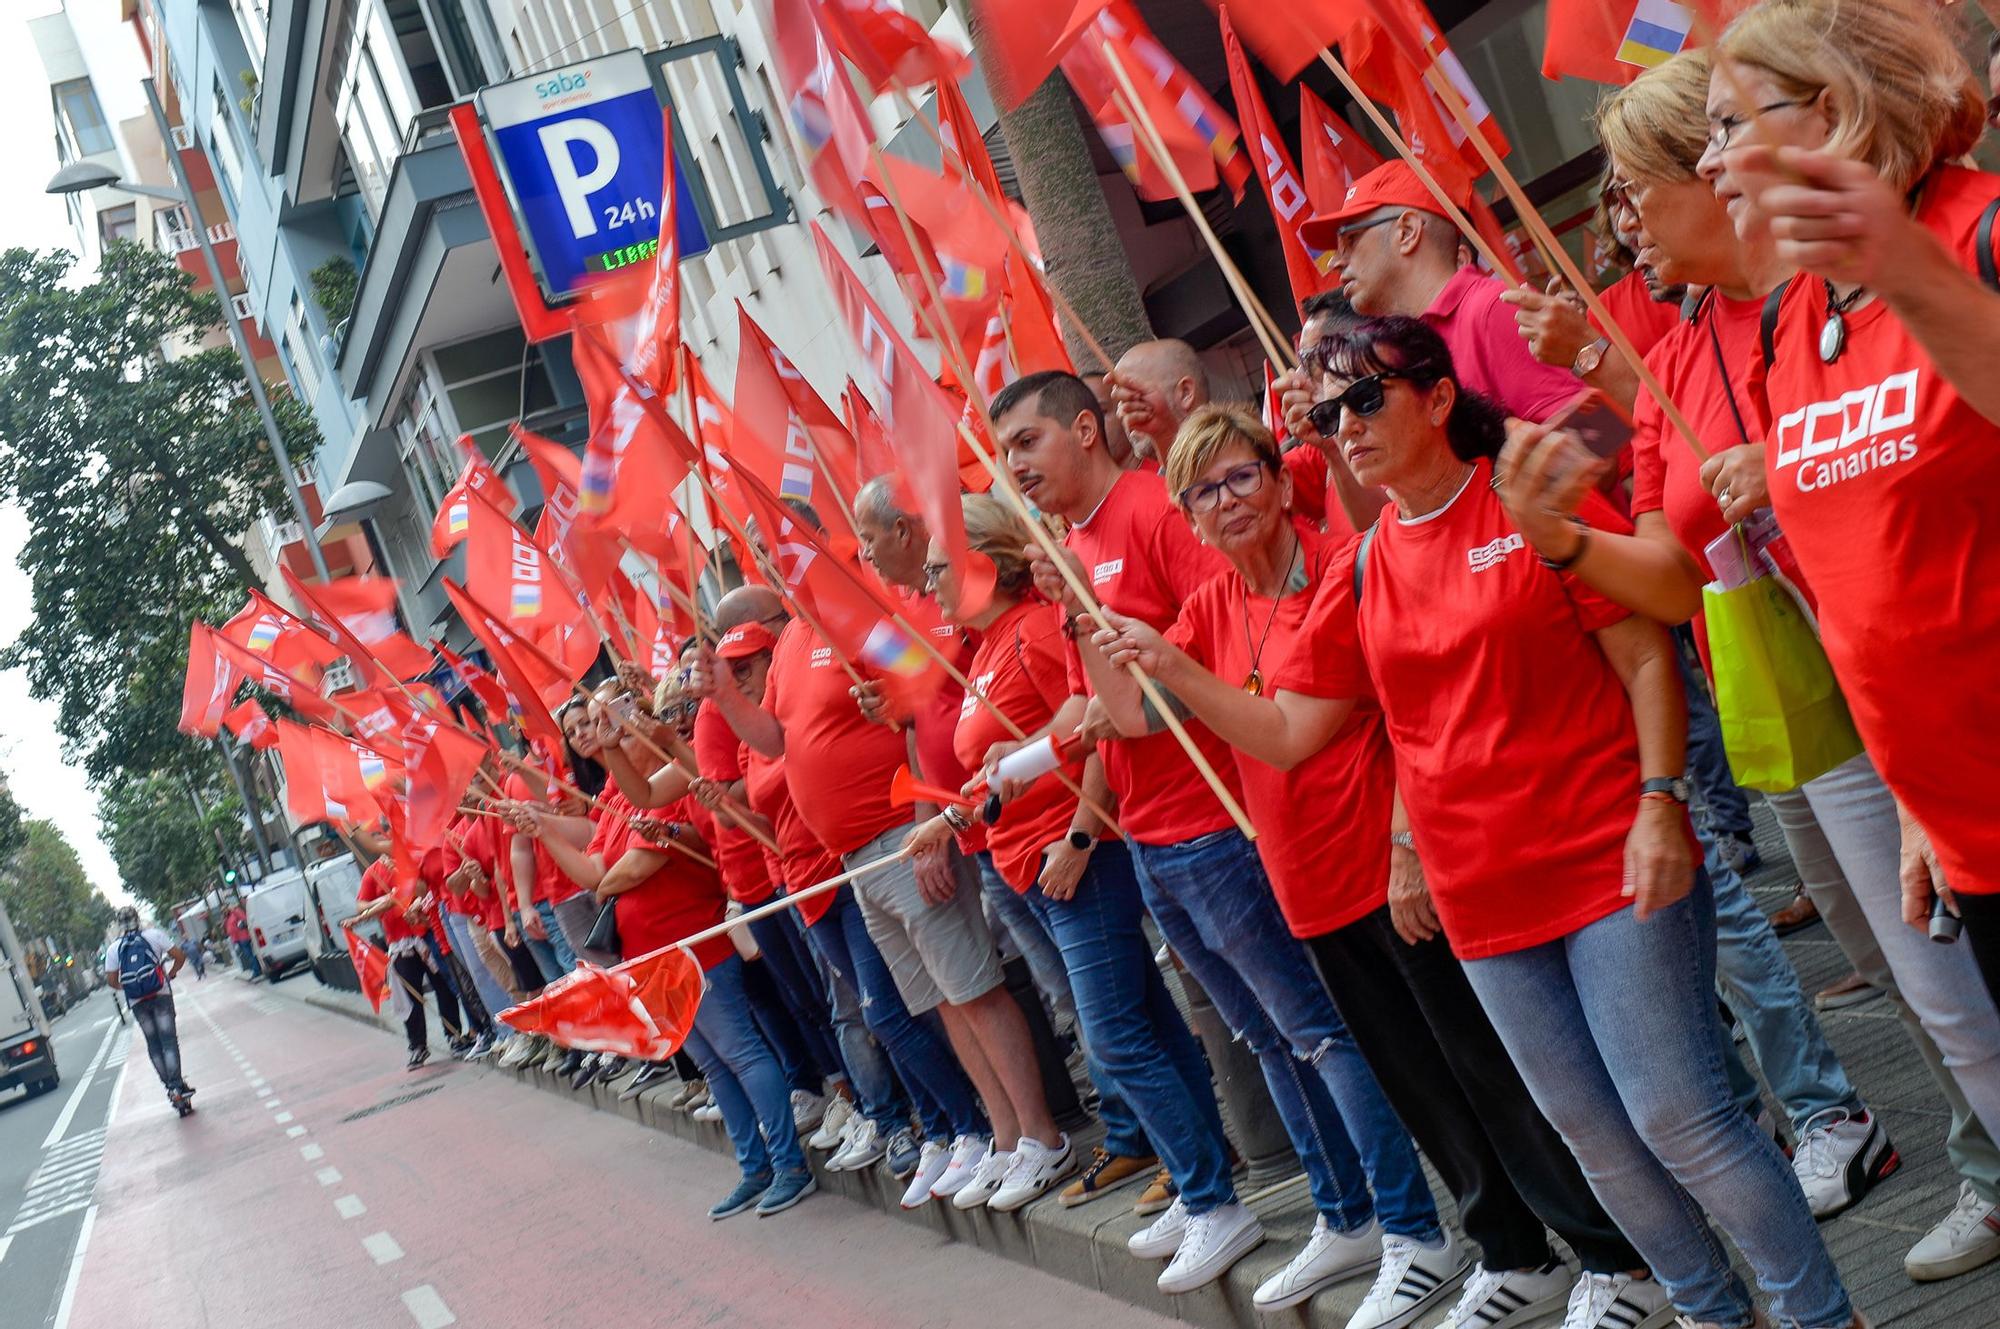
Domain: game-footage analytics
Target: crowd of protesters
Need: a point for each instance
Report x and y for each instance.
(1452, 666)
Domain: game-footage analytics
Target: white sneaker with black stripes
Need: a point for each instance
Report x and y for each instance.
(1496, 1298)
(1617, 1301)
(1413, 1278)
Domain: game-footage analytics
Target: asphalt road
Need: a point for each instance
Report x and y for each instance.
(49, 1155)
(320, 1186)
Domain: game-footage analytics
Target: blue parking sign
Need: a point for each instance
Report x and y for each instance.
(581, 151)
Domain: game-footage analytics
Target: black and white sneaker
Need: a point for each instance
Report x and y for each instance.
(1841, 1155)
(1496, 1298)
(1617, 1301)
(1412, 1279)
(418, 1056)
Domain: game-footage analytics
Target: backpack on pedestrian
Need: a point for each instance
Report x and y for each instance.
(139, 971)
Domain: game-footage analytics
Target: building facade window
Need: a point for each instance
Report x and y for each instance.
(119, 223)
(372, 97)
(301, 353)
(253, 20)
(80, 120)
(222, 149)
(423, 441)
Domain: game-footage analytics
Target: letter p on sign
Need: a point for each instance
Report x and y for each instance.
(574, 188)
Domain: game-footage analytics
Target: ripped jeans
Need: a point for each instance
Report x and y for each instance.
(1214, 905)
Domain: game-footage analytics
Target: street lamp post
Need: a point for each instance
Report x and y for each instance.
(78, 177)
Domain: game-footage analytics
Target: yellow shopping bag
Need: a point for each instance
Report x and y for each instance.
(1784, 721)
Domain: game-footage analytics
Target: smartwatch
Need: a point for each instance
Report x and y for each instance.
(1082, 841)
(1590, 357)
(1673, 787)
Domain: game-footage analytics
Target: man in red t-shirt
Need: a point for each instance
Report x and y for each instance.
(236, 926)
(407, 913)
(1199, 875)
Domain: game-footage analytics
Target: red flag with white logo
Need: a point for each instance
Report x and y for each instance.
(506, 569)
(1333, 155)
(211, 682)
(271, 632)
(250, 724)
(1311, 270)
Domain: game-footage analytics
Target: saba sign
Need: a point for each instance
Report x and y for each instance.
(581, 150)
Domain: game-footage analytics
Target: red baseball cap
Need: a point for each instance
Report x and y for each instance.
(1390, 185)
(744, 640)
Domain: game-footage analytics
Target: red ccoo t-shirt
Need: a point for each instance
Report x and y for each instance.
(716, 750)
(838, 764)
(680, 899)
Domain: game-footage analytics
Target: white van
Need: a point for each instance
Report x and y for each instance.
(281, 916)
(336, 882)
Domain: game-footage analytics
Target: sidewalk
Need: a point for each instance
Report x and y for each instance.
(1086, 1245)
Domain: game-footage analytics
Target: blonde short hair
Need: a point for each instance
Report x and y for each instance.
(992, 529)
(1205, 434)
(1903, 97)
(1655, 128)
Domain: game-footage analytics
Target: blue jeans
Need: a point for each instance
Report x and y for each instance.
(1762, 989)
(1613, 1027)
(558, 938)
(1011, 916)
(880, 1093)
(918, 1050)
(800, 989)
(1141, 1052)
(743, 1075)
(246, 956)
(1213, 903)
(1725, 810)
(491, 994)
(544, 953)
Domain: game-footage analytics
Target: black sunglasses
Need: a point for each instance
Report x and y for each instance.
(1364, 396)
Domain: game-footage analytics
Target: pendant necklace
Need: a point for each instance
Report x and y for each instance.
(1254, 685)
(1833, 333)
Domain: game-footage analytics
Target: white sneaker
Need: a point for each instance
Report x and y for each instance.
(966, 1151)
(864, 1145)
(1617, 1301)
(1162, 1237)
(833, 1130)
(1327, 1258)
(1964, 1239)
(1412, 1279)
(1496, 1297)
(1840, 1156)
(1035, 1168)
(709, 1111)
(518, 1048)
(984, 1183)
(931, 1163)
(808, 1110)
(1214, 1241)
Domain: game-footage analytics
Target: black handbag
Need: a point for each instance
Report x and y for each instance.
(603, 936)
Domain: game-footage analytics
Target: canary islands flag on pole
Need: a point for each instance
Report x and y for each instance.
(1658, 31)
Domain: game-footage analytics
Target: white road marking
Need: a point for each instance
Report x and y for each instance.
(68, 1302)
(5, 1242)
(349, 1206)
(282, 1117)
(327, 1176)
(117, 1095)
(62, 1183)
(265, 1092)
(426, 1307)
(295, 1131)
(82, 1086)
(381, 1247)
(312, 1153)
(272, 1102)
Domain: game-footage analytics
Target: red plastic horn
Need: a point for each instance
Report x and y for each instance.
(906, 788)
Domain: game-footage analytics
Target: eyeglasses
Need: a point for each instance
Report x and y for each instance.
(1364, 396)
(1243, 481)
(1723, 128)
(1343, 238)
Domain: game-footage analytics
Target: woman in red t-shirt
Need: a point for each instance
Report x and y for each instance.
(657, 869)
(1339, 854)
(408, 914)
(1655, 131)
(1885, 447)
(1538, 733)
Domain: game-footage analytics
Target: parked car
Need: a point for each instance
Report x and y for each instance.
(281, 917)
(27, 1054)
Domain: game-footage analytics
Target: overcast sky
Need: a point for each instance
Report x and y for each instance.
(30, 749)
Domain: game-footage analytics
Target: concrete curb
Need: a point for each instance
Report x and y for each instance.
(1085, 1245)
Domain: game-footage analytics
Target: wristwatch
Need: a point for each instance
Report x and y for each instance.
(1590, 357)
(1672, 786)
(1082, 841)
(1403, 840)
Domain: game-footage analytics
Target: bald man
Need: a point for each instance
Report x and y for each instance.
(1115, 440)
(1156, 385)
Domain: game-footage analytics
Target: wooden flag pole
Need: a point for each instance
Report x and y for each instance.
(731, 808)
(599, 804)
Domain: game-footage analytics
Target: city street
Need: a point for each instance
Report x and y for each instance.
(319, 1186)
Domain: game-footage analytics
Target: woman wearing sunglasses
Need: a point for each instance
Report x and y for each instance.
(1539, 734)
(1337, 848)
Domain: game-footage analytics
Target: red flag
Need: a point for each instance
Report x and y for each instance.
(1388, 55)
(790, 439)
(917, 417)
(661, 628)
(1311, 270)
(250, 724)
(964, 148)
(478, 682)
(366, 608)
(585, 553)
(505, 567)
(271, 632)
(305, 787)
(303, 696)
(449, 526)
(644, 1011)
(1334, 155)
(375, 716)
(355, 776)
(825, 113)
(637, 455)
(888, 46)
(1615, 41)
(530, 677)
(1196, 132)
(211, 682)
(442, 759)
(368, 670)
(638, 307)
(1023, 39)
(371, 966)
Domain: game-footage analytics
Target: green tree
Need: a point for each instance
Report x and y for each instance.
(139, 463)
(12, 834)
(46, 891)
(165, 851)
